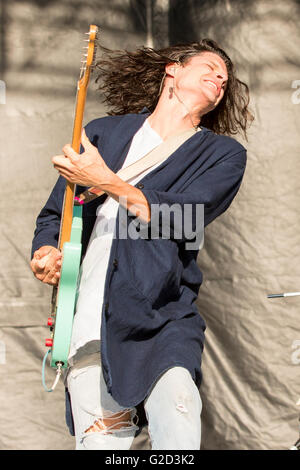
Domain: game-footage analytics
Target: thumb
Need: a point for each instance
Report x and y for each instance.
(85, 142)
(43, 251)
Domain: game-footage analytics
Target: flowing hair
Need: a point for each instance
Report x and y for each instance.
(130, 81)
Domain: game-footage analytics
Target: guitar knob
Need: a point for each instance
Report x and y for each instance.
(50, 321)
(49, 342)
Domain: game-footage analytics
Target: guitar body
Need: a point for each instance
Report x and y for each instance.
(66, 299)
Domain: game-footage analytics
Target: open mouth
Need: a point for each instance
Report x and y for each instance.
(212, 85)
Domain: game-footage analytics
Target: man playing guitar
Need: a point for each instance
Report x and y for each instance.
(137, 337)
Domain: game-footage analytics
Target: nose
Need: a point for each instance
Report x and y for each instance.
(221, 78)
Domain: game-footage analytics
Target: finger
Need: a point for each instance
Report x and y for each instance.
(55, 259)
(41, 264)
(50, 278)
(54, 264)
(34, 267)
(63, 172)
(85, 141)
(40, 259)
(48, 268)
(57, 255)
(47, 263)
(68, 176)
(51, 282)
(47, 254)
(43, 251)
(61, 161)
(37, 255)
(70, 153)
(50, 275)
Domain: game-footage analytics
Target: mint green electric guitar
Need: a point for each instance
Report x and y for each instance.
(64, 296)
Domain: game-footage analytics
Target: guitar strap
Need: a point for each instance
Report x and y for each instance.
(157, 155)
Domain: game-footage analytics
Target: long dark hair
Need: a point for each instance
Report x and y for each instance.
(131, 81)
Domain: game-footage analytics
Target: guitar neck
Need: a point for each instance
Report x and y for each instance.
(82, 85)
(67, 213)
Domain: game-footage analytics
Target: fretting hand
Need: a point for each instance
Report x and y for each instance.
(86, 169)
(89, 169)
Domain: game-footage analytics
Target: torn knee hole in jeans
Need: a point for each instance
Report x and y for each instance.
(110, 423)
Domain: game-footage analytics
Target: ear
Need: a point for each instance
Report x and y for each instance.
(171, 68)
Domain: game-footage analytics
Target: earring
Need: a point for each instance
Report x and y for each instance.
(172, 88)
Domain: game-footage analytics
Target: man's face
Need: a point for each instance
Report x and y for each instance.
(202, 80)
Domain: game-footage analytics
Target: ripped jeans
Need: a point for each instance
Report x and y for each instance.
(173, 409)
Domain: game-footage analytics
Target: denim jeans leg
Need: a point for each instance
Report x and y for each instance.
(90, 402)
(173, 409)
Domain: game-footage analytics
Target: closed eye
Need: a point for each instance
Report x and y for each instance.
(214, 66)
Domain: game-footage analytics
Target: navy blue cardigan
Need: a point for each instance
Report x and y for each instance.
(150, 320)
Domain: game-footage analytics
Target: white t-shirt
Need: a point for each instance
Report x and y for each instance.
(87, 321)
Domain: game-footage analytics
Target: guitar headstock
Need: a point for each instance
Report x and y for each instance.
(89, 56)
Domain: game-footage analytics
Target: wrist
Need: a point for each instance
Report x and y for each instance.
(109, 181)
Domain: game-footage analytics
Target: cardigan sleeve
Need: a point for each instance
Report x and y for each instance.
(207, 197)
(48, 220)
